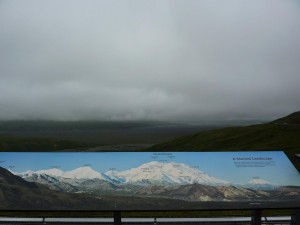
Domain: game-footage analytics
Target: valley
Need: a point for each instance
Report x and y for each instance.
(93, 135)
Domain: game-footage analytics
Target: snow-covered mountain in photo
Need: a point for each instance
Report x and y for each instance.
(85, 172)
(159, 174)
(50, 172)
(164, 173)
(86, 179)
(260, 184)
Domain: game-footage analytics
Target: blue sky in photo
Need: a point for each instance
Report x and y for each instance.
(217, 164)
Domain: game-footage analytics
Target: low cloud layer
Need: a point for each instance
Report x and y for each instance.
(154, 60)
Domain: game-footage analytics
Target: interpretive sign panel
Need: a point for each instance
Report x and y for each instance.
(116, 181)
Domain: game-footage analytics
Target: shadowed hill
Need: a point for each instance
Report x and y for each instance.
(292, 119)
(280, 134)
(18, 194)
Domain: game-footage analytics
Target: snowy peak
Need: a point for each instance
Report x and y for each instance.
(260, 184)
(258, 181)
(78, 173)
(85, 172)
(167, 173)
(50, 172)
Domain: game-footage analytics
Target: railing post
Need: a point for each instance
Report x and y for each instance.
(295, 220)
(117, 218)
(256, 217)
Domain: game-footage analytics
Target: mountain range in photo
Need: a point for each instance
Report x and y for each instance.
(153, 185)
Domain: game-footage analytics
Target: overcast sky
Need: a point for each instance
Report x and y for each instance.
(153, 60)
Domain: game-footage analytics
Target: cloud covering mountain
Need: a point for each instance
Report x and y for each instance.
(156, 60)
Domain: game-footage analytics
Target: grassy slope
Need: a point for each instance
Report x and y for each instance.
(281, 134)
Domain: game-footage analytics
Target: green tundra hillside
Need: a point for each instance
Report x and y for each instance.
(280, 134)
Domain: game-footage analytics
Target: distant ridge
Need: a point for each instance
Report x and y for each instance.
(280, 134)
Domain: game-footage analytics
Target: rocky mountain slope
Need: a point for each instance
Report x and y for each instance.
(16, 193)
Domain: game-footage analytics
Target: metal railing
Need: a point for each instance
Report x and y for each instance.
(278, 220)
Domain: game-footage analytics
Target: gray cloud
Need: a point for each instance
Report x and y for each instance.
(169, 60)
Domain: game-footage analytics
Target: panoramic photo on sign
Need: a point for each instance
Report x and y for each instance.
(147, 180)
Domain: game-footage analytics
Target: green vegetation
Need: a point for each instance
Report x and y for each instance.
(282, 134)
(293, 118)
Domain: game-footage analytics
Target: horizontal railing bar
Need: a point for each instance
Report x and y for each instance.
(217, 219)
(78, 220)
(21, 219)
(134, 220)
